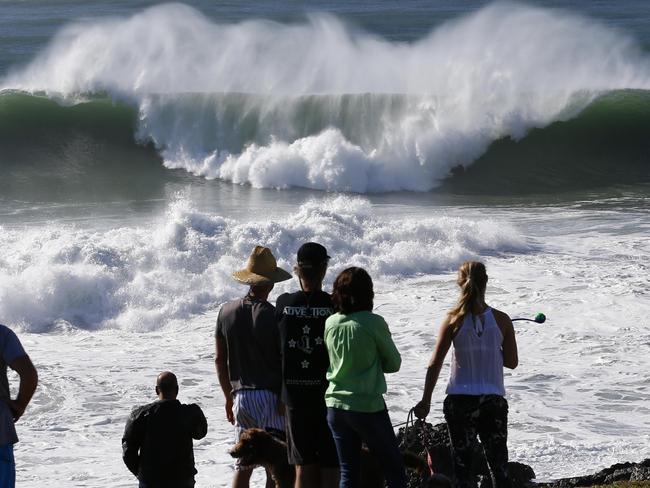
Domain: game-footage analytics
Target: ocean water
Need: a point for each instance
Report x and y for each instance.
(146, 148)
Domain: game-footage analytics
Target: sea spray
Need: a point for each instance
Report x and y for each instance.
(321, 105)
(146, 278)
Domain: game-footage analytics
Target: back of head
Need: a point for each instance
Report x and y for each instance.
(312, 262)
(261, 291)
(167, 385)
(472, 280)
(353, 291)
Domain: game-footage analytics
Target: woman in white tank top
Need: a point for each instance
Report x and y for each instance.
(484, 342)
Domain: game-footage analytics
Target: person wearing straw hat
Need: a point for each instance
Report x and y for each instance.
(248, 360)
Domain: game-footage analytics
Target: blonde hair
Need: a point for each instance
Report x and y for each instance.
(472, 280)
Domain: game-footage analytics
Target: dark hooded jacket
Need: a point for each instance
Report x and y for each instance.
(157, 442)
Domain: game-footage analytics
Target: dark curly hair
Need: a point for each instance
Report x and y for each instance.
(353, 291)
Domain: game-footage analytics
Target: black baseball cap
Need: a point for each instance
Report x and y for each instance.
(312, 254)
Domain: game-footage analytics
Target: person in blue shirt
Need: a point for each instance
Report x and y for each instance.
(12, 409)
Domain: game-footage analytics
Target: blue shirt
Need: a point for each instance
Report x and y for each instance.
(10, 350)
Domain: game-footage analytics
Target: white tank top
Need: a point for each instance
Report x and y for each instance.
(477, 359)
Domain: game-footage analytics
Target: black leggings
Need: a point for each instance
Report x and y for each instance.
(487, 416)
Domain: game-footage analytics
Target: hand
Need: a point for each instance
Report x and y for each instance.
(17, 409)
(421, 410)
(229, 406)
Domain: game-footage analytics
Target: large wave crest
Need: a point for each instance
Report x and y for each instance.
(322, 105)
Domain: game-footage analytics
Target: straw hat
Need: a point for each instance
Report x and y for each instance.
(261, 269)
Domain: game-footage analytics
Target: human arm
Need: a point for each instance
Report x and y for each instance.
(15, 356)
(131, 442)
(221, 362)
(445, 338)
(280, 342)
(28, 382)
(198, 421)
(388, 353)
(509, 345)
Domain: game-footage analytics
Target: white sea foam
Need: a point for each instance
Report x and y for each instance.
(578, 400)
(145, 278)
(321, 105)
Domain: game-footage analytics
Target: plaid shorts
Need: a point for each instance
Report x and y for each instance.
(256, 409)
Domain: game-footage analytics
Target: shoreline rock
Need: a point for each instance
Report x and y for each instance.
(616, 472)
(432, 441)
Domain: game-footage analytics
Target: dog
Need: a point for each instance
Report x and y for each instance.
(257, 447)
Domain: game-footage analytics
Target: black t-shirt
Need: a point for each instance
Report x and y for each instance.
(301, 319)
(251, 332)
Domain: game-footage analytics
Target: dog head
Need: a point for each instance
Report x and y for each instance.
(421, 466)
(255, 448)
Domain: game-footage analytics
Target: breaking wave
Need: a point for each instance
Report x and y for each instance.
(324, 106)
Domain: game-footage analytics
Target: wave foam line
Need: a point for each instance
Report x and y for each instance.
(146, 278)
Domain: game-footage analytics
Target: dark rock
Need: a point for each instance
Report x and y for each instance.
(425, 439)
(618, 475)
(617, 472)
(521, 474)
(640, 473)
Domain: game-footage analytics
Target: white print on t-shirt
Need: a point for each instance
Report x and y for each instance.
(308, 311)
(305, 344)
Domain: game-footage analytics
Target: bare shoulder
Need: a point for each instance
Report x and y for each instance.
(446, 321)
(501, 317)
(503, 321)
(447, 327)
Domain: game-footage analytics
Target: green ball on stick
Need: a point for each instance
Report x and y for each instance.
(540, 318)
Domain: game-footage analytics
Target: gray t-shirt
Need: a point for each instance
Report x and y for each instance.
(10, 350)
(253, 340)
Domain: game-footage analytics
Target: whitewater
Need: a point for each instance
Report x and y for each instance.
(103, 311)
(144, 151)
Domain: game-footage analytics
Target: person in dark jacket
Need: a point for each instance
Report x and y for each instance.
(157, 442)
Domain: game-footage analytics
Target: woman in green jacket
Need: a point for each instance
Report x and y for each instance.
(360, 351)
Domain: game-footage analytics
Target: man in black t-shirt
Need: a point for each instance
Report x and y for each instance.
(301, 318)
